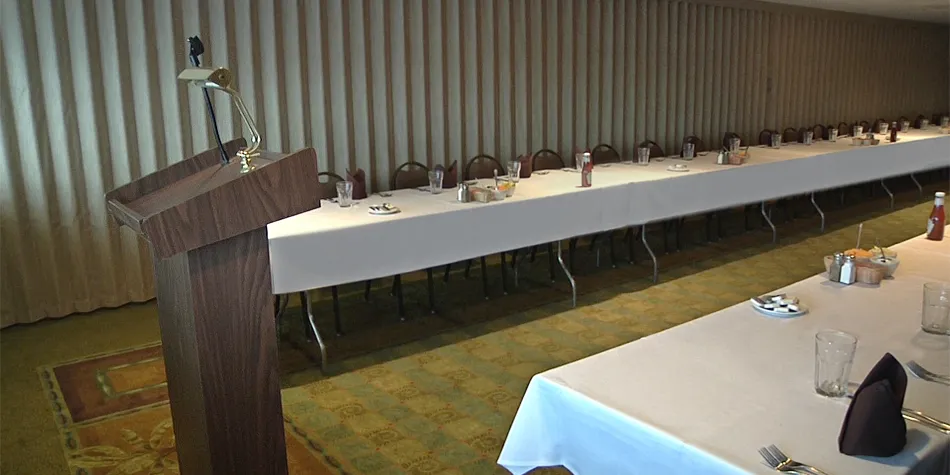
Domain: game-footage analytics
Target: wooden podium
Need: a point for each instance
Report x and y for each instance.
(207, 227)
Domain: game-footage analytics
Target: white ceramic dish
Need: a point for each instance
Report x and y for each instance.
(383, 209)
(780, 307)
(679, 167)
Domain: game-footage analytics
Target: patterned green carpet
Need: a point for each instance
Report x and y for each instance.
(443, 404)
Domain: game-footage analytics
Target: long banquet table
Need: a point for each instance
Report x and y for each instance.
(702, 397)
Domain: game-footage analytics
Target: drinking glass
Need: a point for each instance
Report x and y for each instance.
(936, 311)
(944, 121)
(579, 160)
(924, 123)
(809, 136)
(834, 354)
(832, 134)
(905, 125)
(882, 128)
(857, 130)
(514, 170)
(734, 143)
(435, 181)
(643, 156)
(689, 151)
(776, 140)
(344, 193)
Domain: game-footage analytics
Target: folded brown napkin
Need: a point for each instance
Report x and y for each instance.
(450, 176)
(359, 183)
(873, 424)
(526, 166)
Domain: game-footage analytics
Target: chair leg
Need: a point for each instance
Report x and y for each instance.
(719, 232)
(679, 233)
(504, 275)
(631, 255)
(484, 277)
(514, 260)
(534, 251)
(551, 259)
(431, 290)
(572, 248)
(709, 227)
(397, 285)
(445, 276)
(396, 282)
(337, 323)
(304, 297)
(613, 252)
(468, 268)
(369, 284)
(593, 243)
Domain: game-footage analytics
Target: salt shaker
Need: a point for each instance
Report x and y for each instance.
(834, 271)
(848, 271)
(463, 193)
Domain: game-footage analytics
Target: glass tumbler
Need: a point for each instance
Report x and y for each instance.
(832, 134)
(514, 171)
(834, 354)
(857, 130)
(905, 126)
(882, 127)
(935, 317)
(809, 137)
(643, 156)
(689, 150)
(734, 143)
(944, 121)
(344, 193)
(435, 181)
(776, 140)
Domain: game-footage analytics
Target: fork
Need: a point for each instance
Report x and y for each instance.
(923, 373)
(776, 459)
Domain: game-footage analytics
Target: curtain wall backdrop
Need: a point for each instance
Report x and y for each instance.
(89, 98)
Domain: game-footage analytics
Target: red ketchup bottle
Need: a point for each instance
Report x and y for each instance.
(938, 218)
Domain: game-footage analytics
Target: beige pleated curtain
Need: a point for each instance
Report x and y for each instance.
(89, 98)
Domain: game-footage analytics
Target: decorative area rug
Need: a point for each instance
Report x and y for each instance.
(436, 395)
(113, 415)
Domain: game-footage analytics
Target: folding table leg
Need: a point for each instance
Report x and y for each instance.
(308, 308)
(643, 237)
(920, 189)
(888, 191)
(570, 278)
(765, 216)
(468, 267)
(337, 323)
(484, 277)
(820, 212)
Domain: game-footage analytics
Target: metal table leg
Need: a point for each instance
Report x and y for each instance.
(570, 278)
(920, 189)
(643, 237)
(888, 191)
(308, 307)
(769, 221)
(820, 212)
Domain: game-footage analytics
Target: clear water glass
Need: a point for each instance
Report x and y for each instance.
(809, 137)
(857, 130)
(643, 156)
(514, 170)
(344, 193)
(882, 128)
(832, 134)
(834, 355)
(689, 151)
(905, 125)
(776, 140)
(945, 121)
(435, 181)
(734, 143)
(935, 317)
(579, 160)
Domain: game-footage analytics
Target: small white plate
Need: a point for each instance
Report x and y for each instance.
(679, 167)
(542, 172)
(777, 313)
(380, 210)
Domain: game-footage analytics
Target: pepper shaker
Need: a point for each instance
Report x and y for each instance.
(834, 271)
(464, 195)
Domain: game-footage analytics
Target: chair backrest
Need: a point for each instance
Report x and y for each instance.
(727, 136)
(546, 159)
(765, 137)
(655, 150)
(698, 145)
(820, 132)
(483, 166)
(918, 122)
(604, 153)
(410, 175)
(844, 128)
(326, 189)
(877, 124)
(866, 125)
(789, 135)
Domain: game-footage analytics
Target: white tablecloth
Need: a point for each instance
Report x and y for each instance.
(702, 397)
(331, 245)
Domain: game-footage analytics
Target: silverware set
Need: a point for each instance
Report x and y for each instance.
(780, 462)
(923, 373)
(912, 415)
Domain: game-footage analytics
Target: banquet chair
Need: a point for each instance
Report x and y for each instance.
(325, 190)
(877, 124)
(765, 137)
(481, 167)
(599, 155)
(819, 132)
(828, 128)
(844, 128)
(698, 145)
(408, 175)
(918, 122)
(790, 135)
(865, 125)
(544, 159)
(728, 136)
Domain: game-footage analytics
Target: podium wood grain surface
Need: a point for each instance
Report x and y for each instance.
(206, 224)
